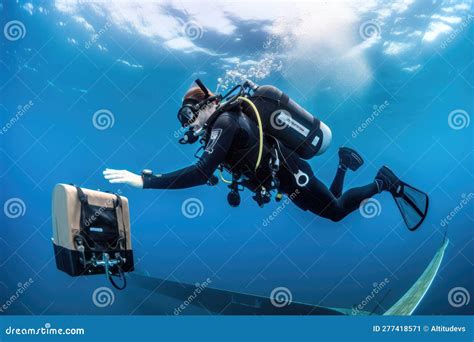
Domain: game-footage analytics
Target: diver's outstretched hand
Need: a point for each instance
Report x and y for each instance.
(123, 176)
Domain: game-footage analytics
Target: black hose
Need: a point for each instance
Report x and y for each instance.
(121, 274)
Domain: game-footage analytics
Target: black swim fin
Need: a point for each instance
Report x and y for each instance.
(413, 203)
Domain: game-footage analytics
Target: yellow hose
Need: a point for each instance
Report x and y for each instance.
(222, 177)
(260, 129)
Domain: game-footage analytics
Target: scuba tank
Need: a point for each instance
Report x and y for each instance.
(279, 117)
(287, 121)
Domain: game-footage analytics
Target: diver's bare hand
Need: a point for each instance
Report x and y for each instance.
(123, 176)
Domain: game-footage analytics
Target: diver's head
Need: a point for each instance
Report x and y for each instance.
(195, 111)
(202, 115)
(326, 137)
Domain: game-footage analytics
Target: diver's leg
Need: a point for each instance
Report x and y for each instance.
(317, 198)
(338, 181)
(348, 159)
(352, 198)
(323, 203)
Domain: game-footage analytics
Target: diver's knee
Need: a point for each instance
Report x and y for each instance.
(333, 213)
(336, 217)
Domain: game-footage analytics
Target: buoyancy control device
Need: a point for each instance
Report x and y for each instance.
(91, 233)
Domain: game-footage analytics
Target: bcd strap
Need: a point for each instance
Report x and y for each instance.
(120, 273)
(118, 202)
(81, 195)
(84, 202)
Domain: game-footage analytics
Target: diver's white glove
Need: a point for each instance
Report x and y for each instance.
(123, 176)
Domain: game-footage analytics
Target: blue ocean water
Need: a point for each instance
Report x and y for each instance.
(85, 86)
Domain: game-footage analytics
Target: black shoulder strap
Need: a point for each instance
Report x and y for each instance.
(208, 125)
(212, 119)
(84, 203)
(229, 106)
(118, 202)
(81, 195)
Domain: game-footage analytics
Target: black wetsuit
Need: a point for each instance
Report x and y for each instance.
(233, 141)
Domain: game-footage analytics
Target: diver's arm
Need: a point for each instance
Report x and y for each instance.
(187, 177)
(123, 177)
(217, 147)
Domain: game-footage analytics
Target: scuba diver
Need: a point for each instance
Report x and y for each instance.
(263, 139)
